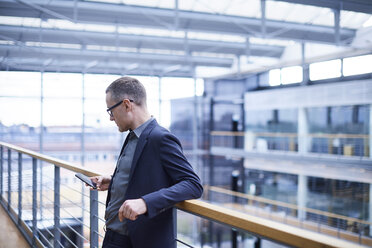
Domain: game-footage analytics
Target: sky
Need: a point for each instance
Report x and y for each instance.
(20, 97)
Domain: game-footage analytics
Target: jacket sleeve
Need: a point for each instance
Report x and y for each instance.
(185, 184)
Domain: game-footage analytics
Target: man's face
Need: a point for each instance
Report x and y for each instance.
(119, 114)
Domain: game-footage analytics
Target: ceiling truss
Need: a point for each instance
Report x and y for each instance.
(127, 53)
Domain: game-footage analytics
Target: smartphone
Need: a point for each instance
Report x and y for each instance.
(86, 180)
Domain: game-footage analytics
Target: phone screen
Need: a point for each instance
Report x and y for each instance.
(86, 180)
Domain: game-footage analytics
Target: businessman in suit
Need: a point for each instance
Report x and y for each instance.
(151, 174)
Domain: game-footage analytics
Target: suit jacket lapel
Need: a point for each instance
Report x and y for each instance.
(140, 145)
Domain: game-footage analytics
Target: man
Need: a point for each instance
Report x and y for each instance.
(151, 174)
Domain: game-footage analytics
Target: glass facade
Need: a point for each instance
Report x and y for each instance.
(282, 120)
(271, 129)
(340, 130)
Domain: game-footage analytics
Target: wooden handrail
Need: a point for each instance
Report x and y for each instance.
(284, 204)
(227, 133)
(282, 233)
(292, 135)
(279, 232)
(55, 161)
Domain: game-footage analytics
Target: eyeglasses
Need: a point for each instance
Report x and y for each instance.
(109, 110)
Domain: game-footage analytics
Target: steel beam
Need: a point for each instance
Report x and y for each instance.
(134, 41)
(75, 60)
(87, 56)
(263, 17)
(69, 66)
(337, 25)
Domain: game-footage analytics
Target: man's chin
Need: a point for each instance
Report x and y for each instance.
(122, 130)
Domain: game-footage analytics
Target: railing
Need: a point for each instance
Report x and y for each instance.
(344, 227)
(340, 144)
(56, 210)
(47, 222)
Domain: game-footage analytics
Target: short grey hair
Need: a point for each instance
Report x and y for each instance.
(127, 87)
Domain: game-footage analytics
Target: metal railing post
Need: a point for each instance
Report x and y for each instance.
(1, 172)
(19, 187)
(93, 218)
(9, 178)
(234, 187)
(56, 233)
(34, 201)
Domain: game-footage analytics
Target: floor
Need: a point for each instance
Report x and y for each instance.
(10, 236)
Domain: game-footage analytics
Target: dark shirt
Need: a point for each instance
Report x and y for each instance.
(120, 182)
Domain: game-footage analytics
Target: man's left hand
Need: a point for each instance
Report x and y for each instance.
(131, 209)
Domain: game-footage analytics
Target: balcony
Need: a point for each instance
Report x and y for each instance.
(50, 212)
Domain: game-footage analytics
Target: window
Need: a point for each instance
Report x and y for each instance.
(291, 75)
(174, 88)
(62, 85)
(20, 84)
(286, 75)
(326, 69)
(19, 111)
(357, 65)
(274, 77)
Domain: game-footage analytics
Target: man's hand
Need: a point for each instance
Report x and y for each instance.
(102, 182)
(131, 209)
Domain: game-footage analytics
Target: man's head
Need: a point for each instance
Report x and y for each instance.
(126, 103)
(127, 87)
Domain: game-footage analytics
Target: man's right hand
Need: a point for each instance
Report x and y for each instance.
(102, 182)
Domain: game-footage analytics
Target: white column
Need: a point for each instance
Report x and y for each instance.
(302, 132)
(301, 196)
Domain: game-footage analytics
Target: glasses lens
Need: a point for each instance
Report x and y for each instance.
(109, 110)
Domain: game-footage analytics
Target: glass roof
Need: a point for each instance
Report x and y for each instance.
(275, 10)
(289, 12)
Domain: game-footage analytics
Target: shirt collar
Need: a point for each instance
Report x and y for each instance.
(138, 131)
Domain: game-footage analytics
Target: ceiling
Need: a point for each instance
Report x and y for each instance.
(168, 37)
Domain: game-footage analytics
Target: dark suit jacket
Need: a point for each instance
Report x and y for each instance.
(162, 177)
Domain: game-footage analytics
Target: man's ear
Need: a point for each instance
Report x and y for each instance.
(128, 106)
